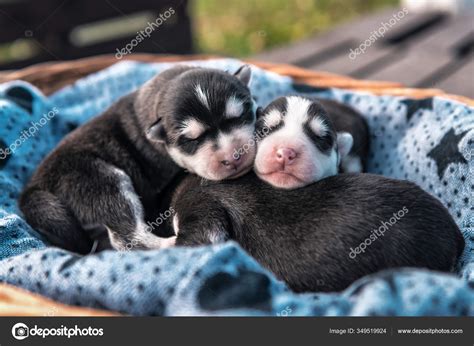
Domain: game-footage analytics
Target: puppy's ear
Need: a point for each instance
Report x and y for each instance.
(344, 143)
(259, 112)
(244, 73)
(157, 133)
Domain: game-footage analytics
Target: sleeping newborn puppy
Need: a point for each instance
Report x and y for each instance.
(326, 235)
(307, 140)
(111, 176)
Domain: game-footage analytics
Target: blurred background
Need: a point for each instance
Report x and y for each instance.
(422, 46)
(244, 28)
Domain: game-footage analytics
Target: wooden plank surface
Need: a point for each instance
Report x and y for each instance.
(413, 67)
(427, 54)
(430, 50)
(305, 50)
(380, 53)
(342, 64)
(454, 29)
(461, 82)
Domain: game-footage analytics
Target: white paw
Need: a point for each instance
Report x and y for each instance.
(168, 242)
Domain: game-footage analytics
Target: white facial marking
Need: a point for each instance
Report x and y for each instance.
(297, 110)
(196, 163)
(227, 143)
(234, 107)
(202, 96)
(273, 118)
(142, 236)
(295, 117)
(318, 126)
(192, 128)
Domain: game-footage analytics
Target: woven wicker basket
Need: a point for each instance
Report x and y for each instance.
(15, 301)
(50, 77)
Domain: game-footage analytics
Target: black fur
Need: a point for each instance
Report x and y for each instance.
(347, 119)
(305, 236)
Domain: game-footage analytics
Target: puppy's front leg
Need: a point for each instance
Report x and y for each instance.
(131, 231)
(101, 194)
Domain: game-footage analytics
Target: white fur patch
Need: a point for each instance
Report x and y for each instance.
(345, 142)
(230, 141)
(202, 96)
(176, 224)
(351, 164)
(296, 116)
(192, 128)
(297, 110)
(141, 235)
(318, 126)
(273, 118)
(199, 162)
(234, 107)
(196, 163)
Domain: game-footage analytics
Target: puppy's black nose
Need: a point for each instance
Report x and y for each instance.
(232, 164)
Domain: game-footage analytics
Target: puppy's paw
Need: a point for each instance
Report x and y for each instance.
(168, 242)
(153, 242)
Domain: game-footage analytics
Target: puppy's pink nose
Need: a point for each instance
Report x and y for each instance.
(285, 156)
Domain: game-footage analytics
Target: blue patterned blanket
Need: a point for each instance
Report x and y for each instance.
(429, 141)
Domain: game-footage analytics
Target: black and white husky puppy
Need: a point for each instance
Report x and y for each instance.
(106, 179)
(323, 236)
(309, 139)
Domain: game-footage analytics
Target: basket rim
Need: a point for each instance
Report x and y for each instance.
(51, 76)
(17, 301)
